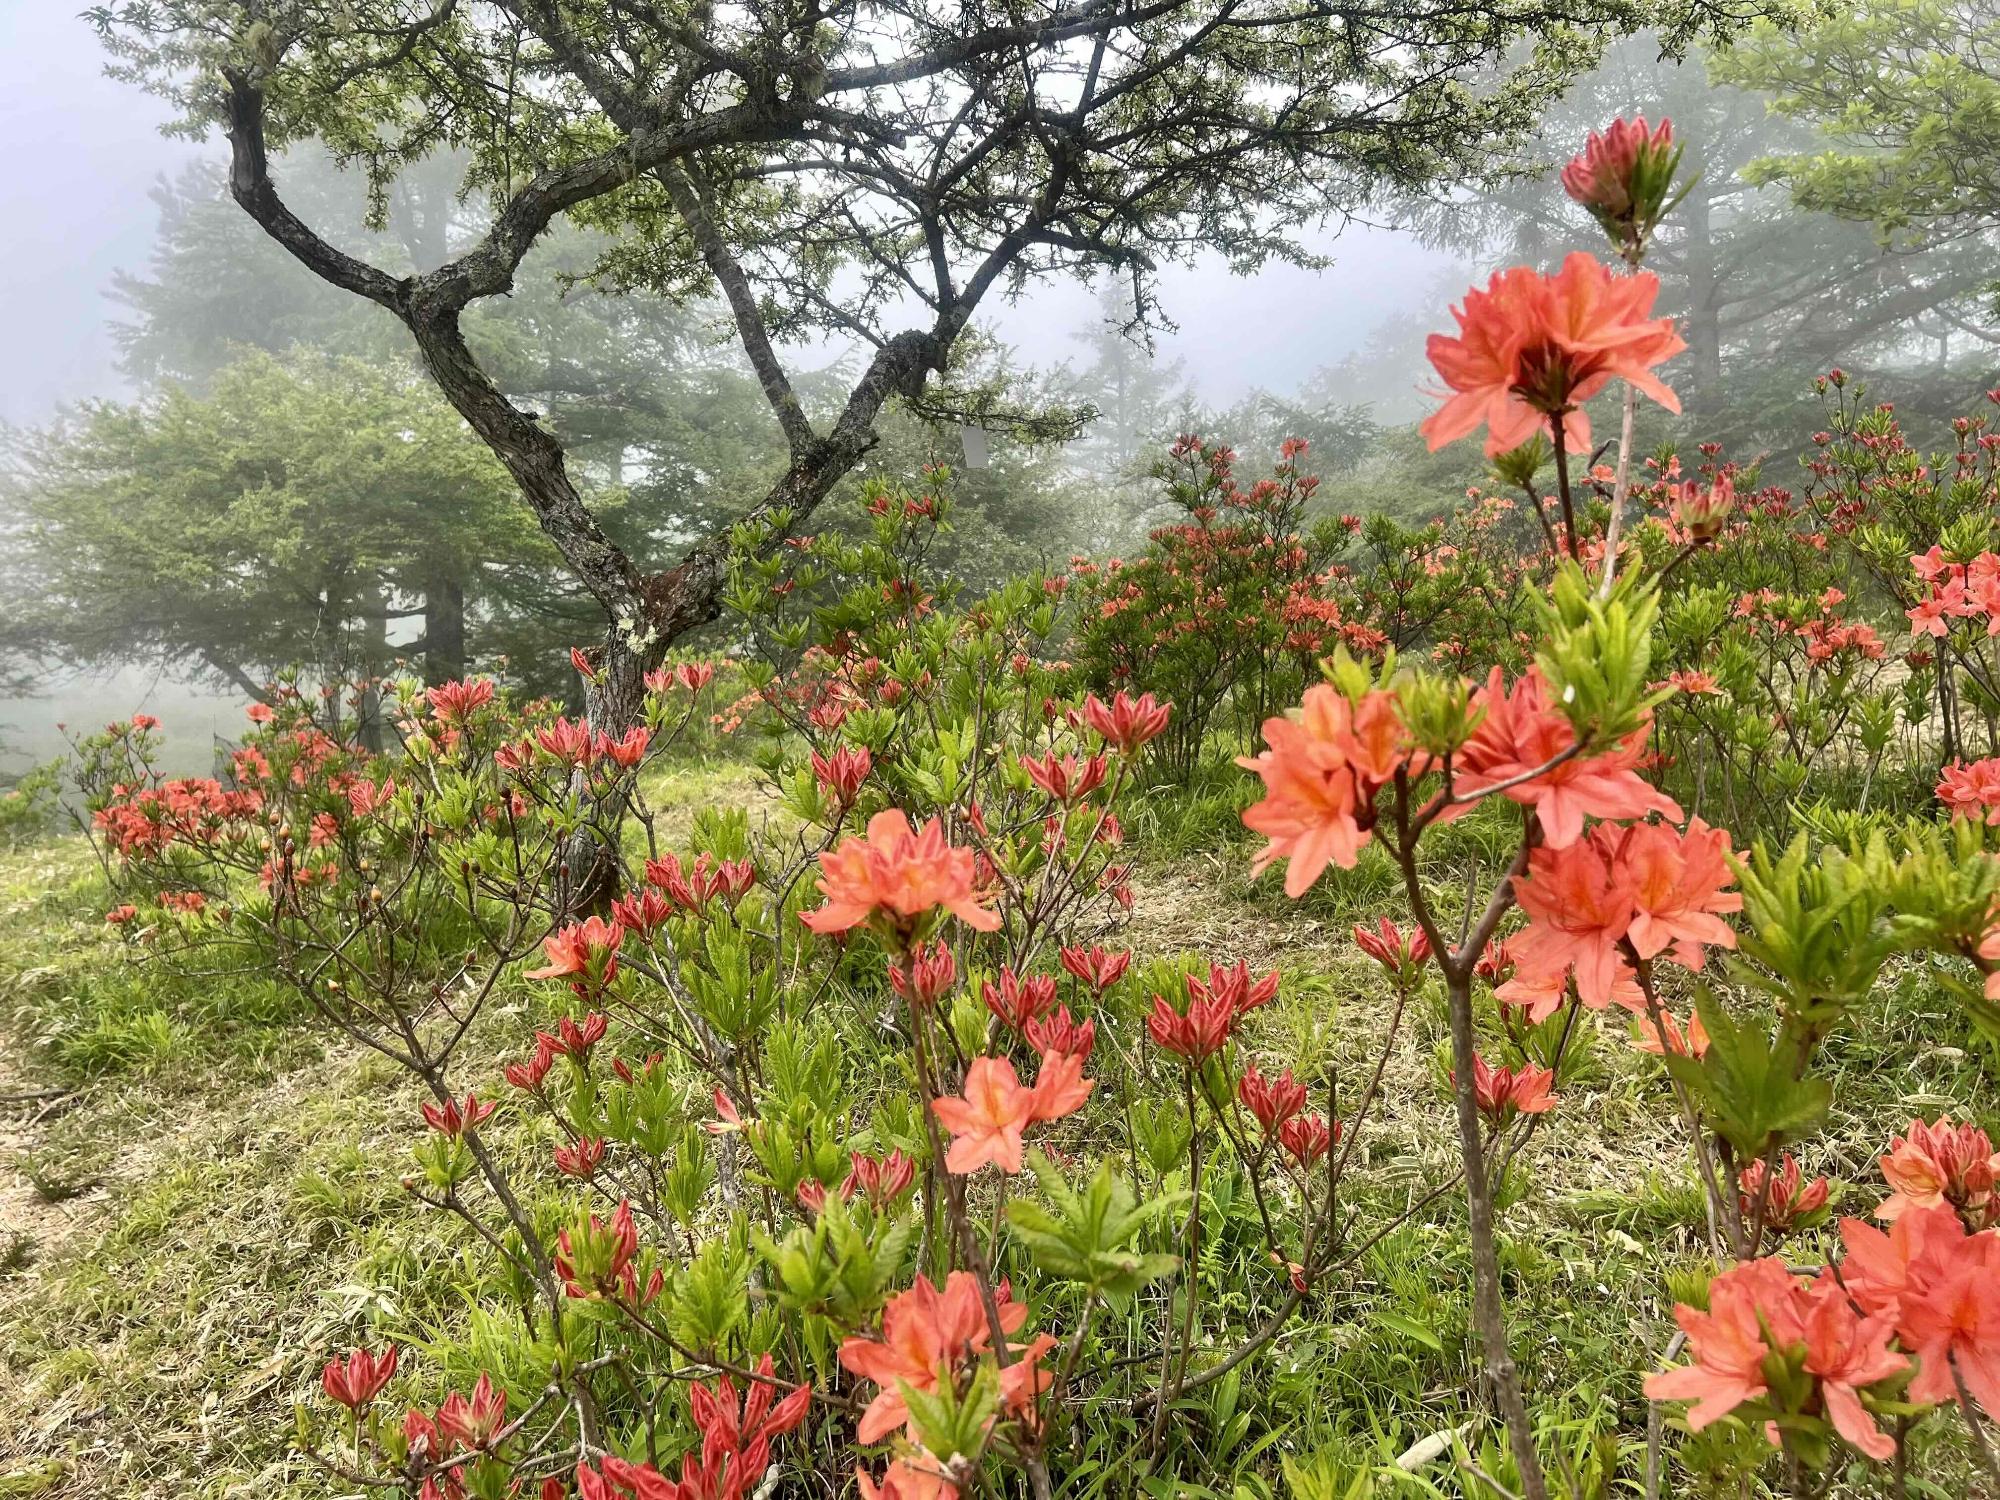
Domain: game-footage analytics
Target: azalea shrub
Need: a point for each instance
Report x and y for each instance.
(812, 1097)
(1230, 604)
(845, 1142)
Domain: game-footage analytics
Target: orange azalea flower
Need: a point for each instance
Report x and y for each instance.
(1522, 731)
(1942, 1165)
(1763, 1321)
(1504, 1092)
(1622, 176)
(578, 946)
(1845, 1352)
(927, 1334)
(1950, 1319)
(986, 1123)
(1321, 774)
(1728, 1341)
(1390, 948)
(1649, 885)
(1689, 1042)
(1532, 349)
(1788, 1199)
(1941, 1288)
(1701, 509)
(900, 873)
(1677, 884)
(907, 1479)
(358, 1380)
(1971, 789)
(1579, 905)
(1696, 684)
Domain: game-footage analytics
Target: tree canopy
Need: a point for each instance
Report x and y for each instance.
(289, 514)
(1906, 99)
(868, 171)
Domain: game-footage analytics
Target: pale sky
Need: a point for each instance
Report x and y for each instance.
(83, 150)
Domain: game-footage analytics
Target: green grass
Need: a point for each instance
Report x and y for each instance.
(216, 1207)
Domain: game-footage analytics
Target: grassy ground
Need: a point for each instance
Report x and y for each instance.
(199, 1193)
(199, 1198)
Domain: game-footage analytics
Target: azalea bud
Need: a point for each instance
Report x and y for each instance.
(1625, 177)
(1700, 510)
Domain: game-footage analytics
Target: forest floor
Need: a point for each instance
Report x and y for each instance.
(199, 1189)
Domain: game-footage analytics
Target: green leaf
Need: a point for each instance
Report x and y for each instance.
(1083, 1236)
(1411, 1328)
(1749, 1082)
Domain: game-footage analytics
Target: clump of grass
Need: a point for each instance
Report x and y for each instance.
(53, 1184)
(16, 1255)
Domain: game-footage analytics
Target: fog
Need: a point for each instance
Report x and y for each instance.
(1776, 295)
(85, 149)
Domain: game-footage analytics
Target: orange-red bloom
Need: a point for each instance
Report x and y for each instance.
(358, 1380)
(1788, 1200)
(1762, 1320)
(1971, 789)
(1660, 890)
(1940, 1286)
(1193, 1035)
(1126, 723)
(1532, 348)
(453, 1118)
(1691, 1041)
(586, 953)
(1390, 948)
(932, 971)
(1700, 510)
(987, 1122)
(1096, 967)
(1321, 774)
(1624, 176)
(1062, 1032)
(1503, 1092)
(1272, 1101)
(1678, 886)
(473, 1423)
(927, 1334)
(898, 874)
(906, 1479)
(1523, 731)
(1018, 1001)
(1942, 1165)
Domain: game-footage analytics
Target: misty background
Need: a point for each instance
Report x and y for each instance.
(128, 278)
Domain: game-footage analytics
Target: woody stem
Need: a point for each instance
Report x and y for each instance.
(1562, 483)
(1170, 1380)
(1620, 488)
(961, 1222)
(1502, 1376)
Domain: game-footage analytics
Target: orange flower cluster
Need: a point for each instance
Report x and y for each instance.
(1531, 349)
(928, 1335)
(1324, 768)
(1321, 774)
(899, 876)
(1765, 1325)
(1645, 886)
(987, 1121)
(1942, 1166)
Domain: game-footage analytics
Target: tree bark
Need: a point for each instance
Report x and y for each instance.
(444, 629)
(374, 657)
(1704, 309)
